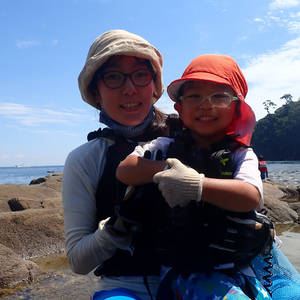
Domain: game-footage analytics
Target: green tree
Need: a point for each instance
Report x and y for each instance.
(268, 104)
(288, 98)
(276, 135)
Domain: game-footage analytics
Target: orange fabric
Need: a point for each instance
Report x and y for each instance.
(262, 166)
(221, 69)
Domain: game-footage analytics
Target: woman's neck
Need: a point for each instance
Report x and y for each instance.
(127, 131)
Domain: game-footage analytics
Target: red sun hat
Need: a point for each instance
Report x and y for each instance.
(221, 69)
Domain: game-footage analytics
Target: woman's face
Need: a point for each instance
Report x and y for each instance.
(129, 104)
(207, 122)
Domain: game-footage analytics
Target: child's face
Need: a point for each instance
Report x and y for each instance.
(206, 121)
(128, 104)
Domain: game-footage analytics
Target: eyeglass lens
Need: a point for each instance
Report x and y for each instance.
(217, 99)
(115, 79)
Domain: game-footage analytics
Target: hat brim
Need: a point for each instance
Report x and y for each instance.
(174, 87)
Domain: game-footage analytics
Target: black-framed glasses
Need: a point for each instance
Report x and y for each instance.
(220, 99)
(115, 79)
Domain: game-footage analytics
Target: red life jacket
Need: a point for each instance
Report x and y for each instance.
(262, 166)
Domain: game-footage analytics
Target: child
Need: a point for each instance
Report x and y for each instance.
(210, 100)
(262, 166)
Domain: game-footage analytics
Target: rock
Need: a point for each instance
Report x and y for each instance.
(38, 193)
(33, 232)
(16, 271)
(280, 211)
(277, 199)
(17, 204)
(272, 190)
(37, 181)
(31, 225)
(296, 207)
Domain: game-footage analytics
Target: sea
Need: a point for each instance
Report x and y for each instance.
(284, 172)
(25, 174)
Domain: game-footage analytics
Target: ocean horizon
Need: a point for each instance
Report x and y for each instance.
(22, 174)
(283, 172)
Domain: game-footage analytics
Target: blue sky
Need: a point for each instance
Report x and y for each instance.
(44, 44)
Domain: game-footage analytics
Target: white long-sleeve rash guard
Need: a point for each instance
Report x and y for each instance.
(86, 247)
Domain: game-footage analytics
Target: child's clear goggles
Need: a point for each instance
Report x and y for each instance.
(221, 99)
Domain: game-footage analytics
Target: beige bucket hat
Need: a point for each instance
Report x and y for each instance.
(118, 42)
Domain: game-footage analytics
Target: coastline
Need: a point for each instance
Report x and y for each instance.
(31, 226)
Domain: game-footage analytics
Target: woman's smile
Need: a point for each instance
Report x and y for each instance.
(131, 105)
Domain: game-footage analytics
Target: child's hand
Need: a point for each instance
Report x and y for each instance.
(179, 184)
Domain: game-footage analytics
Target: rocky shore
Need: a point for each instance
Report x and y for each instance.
(31, 225)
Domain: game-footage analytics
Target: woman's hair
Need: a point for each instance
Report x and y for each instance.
(163, 125)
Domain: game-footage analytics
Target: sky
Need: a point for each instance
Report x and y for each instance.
(44, 44)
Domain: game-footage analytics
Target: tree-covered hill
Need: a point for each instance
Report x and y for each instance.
(277, 136)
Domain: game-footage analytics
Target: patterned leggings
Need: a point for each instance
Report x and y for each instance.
(218, 286)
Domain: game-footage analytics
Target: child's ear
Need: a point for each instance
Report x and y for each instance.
(178, 108)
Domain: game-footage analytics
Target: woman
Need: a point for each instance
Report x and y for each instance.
(122, 77)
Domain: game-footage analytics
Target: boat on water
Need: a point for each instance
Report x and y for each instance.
(22, 166)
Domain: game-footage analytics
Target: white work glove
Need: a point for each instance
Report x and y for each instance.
(116, 227)
(113, 237)
(179, 184)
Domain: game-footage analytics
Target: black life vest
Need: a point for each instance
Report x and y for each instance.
(183, 237)
(198, 238)
(174, 237)
(170, 236)
(110, 192)
(148, 208)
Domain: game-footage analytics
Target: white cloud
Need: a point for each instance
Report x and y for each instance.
(295, 15)
(283, 14)
(258, 20)
(36, 116)
(275, 19)
(272, 75)
(26, 44)
(282, 4)
(294, 27)
(53, 42)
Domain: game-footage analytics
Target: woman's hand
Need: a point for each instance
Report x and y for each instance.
(179, 184)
